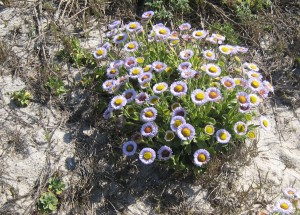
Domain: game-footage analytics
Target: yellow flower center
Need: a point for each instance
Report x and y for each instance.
(168, 69)
(253, 99)
(201, 157)
(131, 46)
(136, 72)
(290, 192)
(154, 100)
(265, 123)
(147, 68)
(225, 49)
(219, 36)
(149, 114)
(255, 75)
(118, 101)
(251, 134)
(99, 52)
(213, 69)
(228, 84)
(140, 60)
(186, 132)
(170, 136)
(223, 136)
(120, 37)
(129, 148)
(162, 31)
(148, 129)
(160, 87)
(177, 123)
(132, 26)
(240, 128)
(128, 95)
(178, 88)
(199, 33)
(200, 96)
(209, 130)
(209, 54)
(113, 71)
(255, 84)
(147, 155)
(213, 95)
(242, 99)
(252, 66)
(145, 77)
(237, 81)
(159, 66)
(284, 206)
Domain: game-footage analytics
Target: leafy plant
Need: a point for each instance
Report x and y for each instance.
(56, 86)
(21, 98)
(47, 202)
(56, 186)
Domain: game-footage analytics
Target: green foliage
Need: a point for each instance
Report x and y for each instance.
(56, 186)
(74, 54)
(56, 86)
(226, 29)
(21, 98)
(47, 202)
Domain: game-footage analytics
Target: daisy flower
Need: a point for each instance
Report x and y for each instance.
(254, 100)
(169, 136)
(141, 98)
(241, 49)
(264, 123)
(148, 114)
(107, 114)
(129, 148)
(109, 84)
(188, 74)
(253, 74)
(209, 55)
(199, 34)
(268, 86)
(240, 128)
(134, 72)
(130, 62)
(290, 193)
(186, 37)
(186, 54)
(159, 66)
(209, 129)
(114, 24)
(145, 77)
(162, 32)
(228, 82)
(133, 26)
(199, 97)
(184, 66)
(212, 40)
(251, 66)
(160, 87)
(123, 80)
(223, 136)
(284, 206)
(186, 132)
(120, 38)
(131, 46)
(214, 94)
(148, 14)
(251, 134)
(241, 82)
(164, 153)
(106, 45)
(184, 26)
(118, 102)
(225, 49)
(178, 88)
(213, 70)
(243, 98)
(153, 100)
(201, 157)
(263, 92)
(129, 94)
(149, 129)
(145, 85)
(147, 155)
(254, 84)
(176, 121)
(111, 33)
(112, 72)
(100, 53)
(179, 111)
(219, 37)
(116, 64)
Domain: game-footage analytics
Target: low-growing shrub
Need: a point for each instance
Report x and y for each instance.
(21, 98)
(186, 96)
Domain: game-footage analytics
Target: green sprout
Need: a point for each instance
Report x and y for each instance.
(56, 86)
(47, 203)
(56, 186)
(21, 98)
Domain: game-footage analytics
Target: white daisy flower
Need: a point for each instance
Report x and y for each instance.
(284, 206)
(223, 136)
(213, 70)
(199, 97)
(209, 55)
(147, 156)
(264, 123)
(160, 87)
(134, 72)
(199, 34)
(176, 121)
(129, 148)
(148, 114)
(164, 153)
(186, 132)
(178, 88)
(201, 157)
(118, 102)
(240, 128)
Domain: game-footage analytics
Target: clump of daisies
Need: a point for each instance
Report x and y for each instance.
(186, 94)
(289, 203)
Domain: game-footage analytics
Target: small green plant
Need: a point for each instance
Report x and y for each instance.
(48, 202)
(56, 86)
(228, 30)
(21, 98)
(56, 186)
